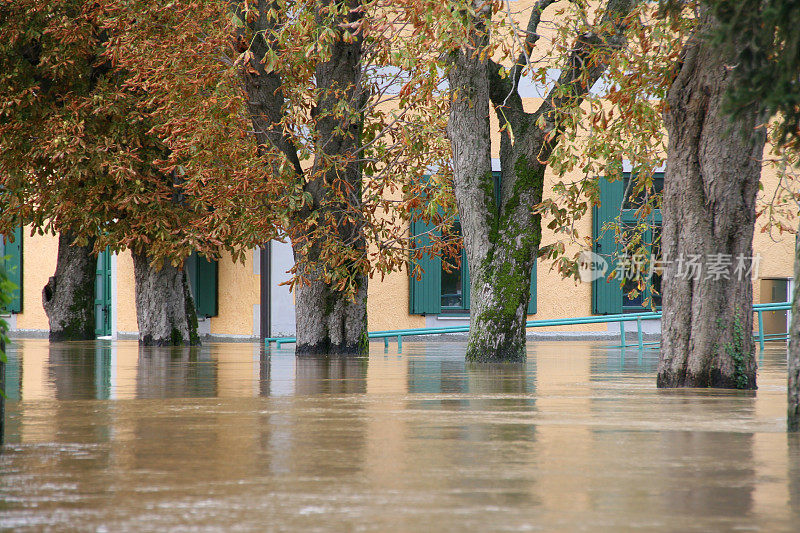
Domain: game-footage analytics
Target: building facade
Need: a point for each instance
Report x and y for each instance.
(249, 300)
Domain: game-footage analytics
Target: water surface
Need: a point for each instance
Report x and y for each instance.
(110, 437)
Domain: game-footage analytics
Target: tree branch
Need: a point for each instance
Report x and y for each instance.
(583, 70)
(264, 88)
(503, 92)
(531, 38)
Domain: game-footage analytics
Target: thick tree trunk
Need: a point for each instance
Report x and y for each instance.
(710, 187)
(68, 297)
(496, 329)
(793, 419)
(331, 321)
(502, 239)
(328, 323)
(164, 306)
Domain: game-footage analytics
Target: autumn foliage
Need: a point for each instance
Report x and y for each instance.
(127, 121)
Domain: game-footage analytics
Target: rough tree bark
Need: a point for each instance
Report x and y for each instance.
(164, 305)
(328, 321)
(502, 241)
(68, 297)
(708, 206)
(793, 390)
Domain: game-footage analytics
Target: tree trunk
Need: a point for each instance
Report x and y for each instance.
(502, 239)
(164, 306)
(793, 419)
(68, 297)
(710, 186)
(331, 321)
(328, 323)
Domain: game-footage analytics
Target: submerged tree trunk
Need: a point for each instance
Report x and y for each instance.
(502, 239)
(329, 321)
(793, 418)
(710, 187)
(68, 297)
(164, 307)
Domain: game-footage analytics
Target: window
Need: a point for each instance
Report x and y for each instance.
(203, 281)
(455, 284)
(609, 297)
(11, 257)
(447, 292)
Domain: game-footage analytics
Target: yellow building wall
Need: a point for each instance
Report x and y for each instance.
(39, 254)
(388, 300)
(388, 303)
(126, 294)
(238, 291)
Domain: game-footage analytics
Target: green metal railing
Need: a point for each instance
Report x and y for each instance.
(621, 319)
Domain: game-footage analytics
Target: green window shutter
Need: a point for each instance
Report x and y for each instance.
(532, 301)
(425, 293)
(102, 294)
(12, 263)
(465, 281)
(496, 174)
(203, 281)
(606, 296)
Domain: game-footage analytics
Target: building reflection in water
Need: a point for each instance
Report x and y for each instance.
(176, 372)
(80, 370)
(611, 363)
(331, 375)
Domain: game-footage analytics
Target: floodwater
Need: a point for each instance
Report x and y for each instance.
(108, 437)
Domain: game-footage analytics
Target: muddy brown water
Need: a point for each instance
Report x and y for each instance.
(106, 436)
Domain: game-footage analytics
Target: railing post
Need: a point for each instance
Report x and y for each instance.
(639, 332)
(760, 330)
(399, 343)
(622, 333)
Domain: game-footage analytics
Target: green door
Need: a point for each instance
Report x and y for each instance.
(102, 295)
